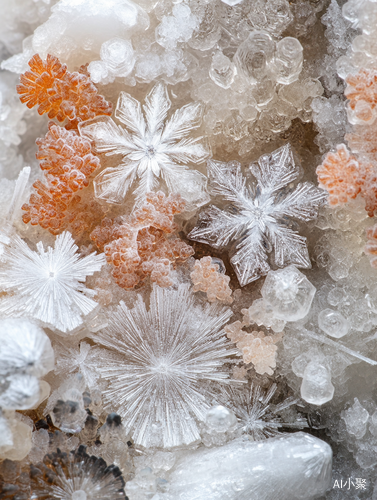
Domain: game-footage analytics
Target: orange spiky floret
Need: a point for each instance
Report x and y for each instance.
(344, 177)
(143, 243)
(361, 91)
(207, 278)
(66, 96)
(68, 163)
(341, 175)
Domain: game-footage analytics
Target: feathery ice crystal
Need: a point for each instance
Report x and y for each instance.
(256, 416)
(72, 359)
(159, 364)
(48, 284)
(258, 217)
(153, 149)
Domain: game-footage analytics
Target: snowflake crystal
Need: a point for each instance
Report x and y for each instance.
(255, 414)
(48, 284)
(153, 149)
(258, 218)
(159, 364)
(72, 359)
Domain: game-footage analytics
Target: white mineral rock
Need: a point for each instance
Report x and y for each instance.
(291, 467)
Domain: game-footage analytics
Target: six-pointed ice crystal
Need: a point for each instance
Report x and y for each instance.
(257, 220)
(155, 151)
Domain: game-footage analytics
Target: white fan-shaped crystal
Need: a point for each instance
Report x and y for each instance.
(48, 284)
(158, 363)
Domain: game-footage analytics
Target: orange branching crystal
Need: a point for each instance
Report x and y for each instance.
(68, 163)
(362, 94)
(256, 347)
(371, 245)
(340, 174)
(344, 177)
(207, 278)
(66, 96)
(143, 244)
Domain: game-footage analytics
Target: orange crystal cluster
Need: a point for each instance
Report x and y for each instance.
(68, 163)
(256, 347)
(345, 177)
(362, 94)
(143, 244)
(207, 278)
(340, 174)
(68, 97)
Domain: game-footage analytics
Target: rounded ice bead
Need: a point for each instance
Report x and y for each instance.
(333, 323)
(220, 419)
(289, 293)
(254, 56)
(288, 60)
(316, 386)
(222, 70)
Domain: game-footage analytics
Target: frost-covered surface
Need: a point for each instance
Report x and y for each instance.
(218, 282)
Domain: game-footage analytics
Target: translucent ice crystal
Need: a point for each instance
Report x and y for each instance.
(66, 405)
(220, 425)
(256, 347)
(25, 355)
(76, 27)
(48, 284)
(15, 437)
(157, 362)
(256, 416)
(356, 419)
(222, 70)
(207, 277)
(255, 220)
(76, 476)
(333, 323)
(71, 360)
(289, 293)
(153, 149)
(117, 61)
(288, 60)
(316, 386)
(176, 28)
(281, 467)
(254, 56)
(262, 313)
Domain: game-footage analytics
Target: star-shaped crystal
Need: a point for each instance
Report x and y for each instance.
(48, 285)
(155, 150)
(258, 221)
